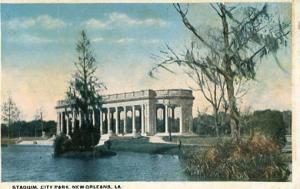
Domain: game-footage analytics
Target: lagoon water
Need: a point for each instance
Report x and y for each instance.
(35, 163)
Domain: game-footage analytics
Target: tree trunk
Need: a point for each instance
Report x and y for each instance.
(216, 122)
(233, 111)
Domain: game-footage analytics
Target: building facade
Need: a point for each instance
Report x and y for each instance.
(134, 113)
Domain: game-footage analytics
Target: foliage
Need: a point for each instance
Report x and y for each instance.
(287, 119)
(60, 144)
(160, 125)
(10, 112)
(83, 94)
(213, 91)
(84, 88)
(243, 36)
(270, 123)
(29, 128)
(85, 138)
(204, 124)
(257, 159)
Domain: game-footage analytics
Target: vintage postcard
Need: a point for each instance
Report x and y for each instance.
(162, 94)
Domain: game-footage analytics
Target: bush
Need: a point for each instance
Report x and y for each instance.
(204, 124)
(61, 144)
(83, 139)
(271, 124)
(257, 159)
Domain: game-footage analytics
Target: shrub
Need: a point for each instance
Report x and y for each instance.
(256, 159)
(61, 144)
(204, 124)
(271, 124)
(85, 138)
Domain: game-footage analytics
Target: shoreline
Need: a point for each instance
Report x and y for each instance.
(28, 141)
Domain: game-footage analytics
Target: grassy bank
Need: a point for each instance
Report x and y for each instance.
(197, 140)
(5, 141)
(258, 159)
(142, 145)
(8, 141)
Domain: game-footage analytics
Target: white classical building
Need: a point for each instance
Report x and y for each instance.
(136, 112)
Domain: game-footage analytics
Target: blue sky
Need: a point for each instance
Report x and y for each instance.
(38, 50)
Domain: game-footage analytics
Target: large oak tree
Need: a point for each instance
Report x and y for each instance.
(245, 35)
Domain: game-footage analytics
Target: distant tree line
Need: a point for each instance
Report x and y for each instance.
(271, 123)
(32, 128)
(12, 125)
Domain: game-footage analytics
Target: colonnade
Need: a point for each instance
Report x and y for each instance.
(108, 119)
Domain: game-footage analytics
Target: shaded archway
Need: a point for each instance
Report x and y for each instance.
(160, 119)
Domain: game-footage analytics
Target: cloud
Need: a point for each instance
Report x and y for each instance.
(49, 22)
(125, 40)
(116, 19)
(42, 21)
(151, 41)
(26, 38)
(95, 24)
(97, 39)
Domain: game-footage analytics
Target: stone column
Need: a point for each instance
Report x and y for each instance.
(117, 121)
(94, 118)
(181, 121)
(125, 120)
(67, 125)
(146, 119)
(109, 122)
(80, 119)
(166, 119)
(58, 124)
(101, 121)
(190, 118)
(73, 121)
(150, 118)
(142, 119)
(133, 122)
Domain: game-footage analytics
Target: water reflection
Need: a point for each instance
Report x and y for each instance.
(35, 163)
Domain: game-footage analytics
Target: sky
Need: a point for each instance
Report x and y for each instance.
(38, 52)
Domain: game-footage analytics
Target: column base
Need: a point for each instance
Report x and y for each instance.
(103, 139)
(144, 134)
(134, 134)
(110, 133)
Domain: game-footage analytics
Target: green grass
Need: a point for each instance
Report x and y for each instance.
(8, 140)
(197, 140)
(140, 145)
